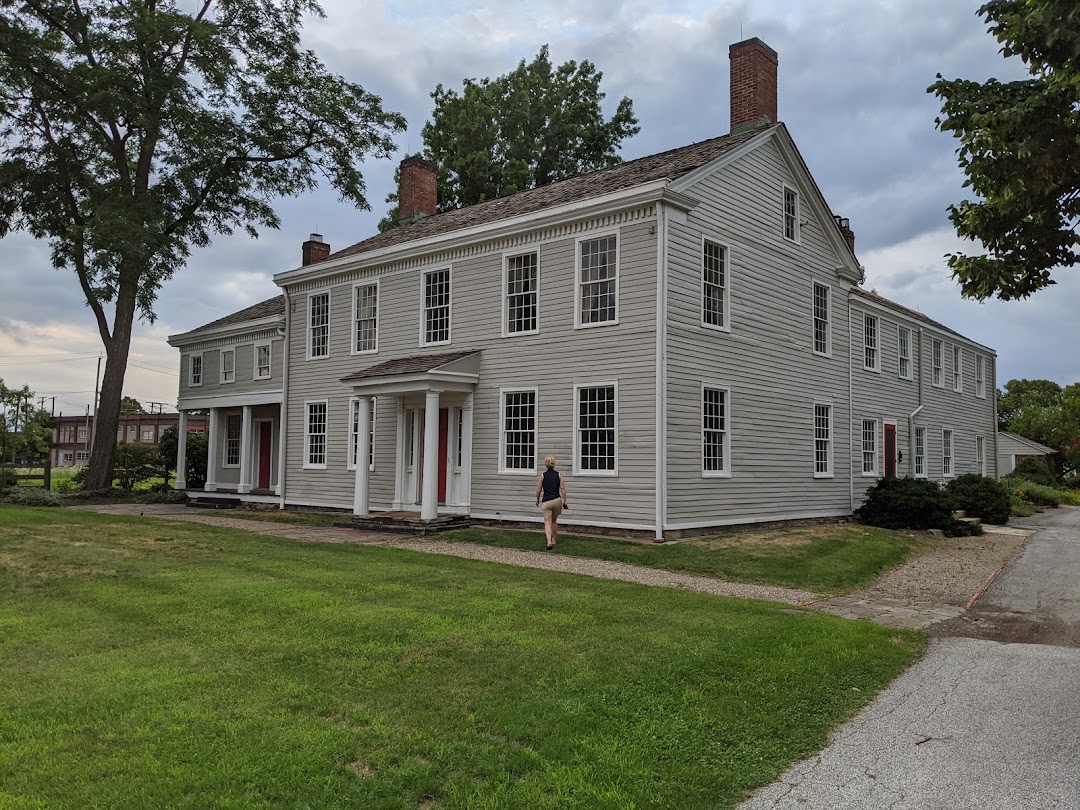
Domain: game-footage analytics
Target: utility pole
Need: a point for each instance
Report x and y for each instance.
(97, 384)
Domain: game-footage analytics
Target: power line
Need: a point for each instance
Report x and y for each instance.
(57, 354)
(172, 373)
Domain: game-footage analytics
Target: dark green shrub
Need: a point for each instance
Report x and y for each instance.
(1035, 470)
(134, 463)
(980, 497)
(906, 503)
(30, 496)
(1072, 482)
(1031, 492)
(195, 455)
(961, 528)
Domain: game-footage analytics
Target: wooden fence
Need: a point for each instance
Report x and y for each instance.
(23, 473)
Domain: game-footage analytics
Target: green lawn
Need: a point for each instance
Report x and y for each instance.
(827, 559)
(148, 663)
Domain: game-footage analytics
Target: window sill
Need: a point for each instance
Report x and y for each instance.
(598, 324)
(902, 377)
(505, 471)
(319, 357)
(314, 467)
(870, 475)
(520, 334)
(824, 475)
(714, 328)
(874, 370)
(595, 473)
(435, 343)
(352, 468)
(827, 354)
(261, 379)
(712, 474)
(356, 352)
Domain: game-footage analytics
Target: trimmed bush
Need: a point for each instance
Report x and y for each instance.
(912, 503)
(30, 496)
(1035, 470)
(1031, 492)
(980, 497)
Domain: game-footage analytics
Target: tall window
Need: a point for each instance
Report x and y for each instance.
(233, 424)
(354, 433)
(714, 292)
(822, 441)
(519, 431)
(869, 447)
(196, 369)
(714, 431)
(319, 325)
(980, 376)
(459, 440)
(522, 287)
(939, 374)
(957, 369)
(262, 362)
(410, 438)
(228, 365)
(870, 342)
(920, 452)
(946, 452)
(903, 352)
(315, 435)
(436, 326)
(791, 214)
(822, 316)
(980, 455)
(596, 428)
(366, 317)
(598, 273)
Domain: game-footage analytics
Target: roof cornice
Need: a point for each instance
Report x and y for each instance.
(919, 323)
(229, 330)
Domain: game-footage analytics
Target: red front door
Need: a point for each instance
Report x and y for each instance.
(890, 451)
(266, 435)
(444, 432)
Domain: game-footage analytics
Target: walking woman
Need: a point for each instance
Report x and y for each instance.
(551, 498)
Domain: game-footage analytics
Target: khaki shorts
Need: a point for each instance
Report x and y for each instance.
(554, 506)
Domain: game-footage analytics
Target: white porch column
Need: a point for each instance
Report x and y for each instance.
(245, 452)
(466, 448)
(212, 451)
(181, 453)
(363, 448)
(429, 504)
(399, 457)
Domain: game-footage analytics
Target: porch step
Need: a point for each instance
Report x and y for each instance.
(215, 503)
(407, 524)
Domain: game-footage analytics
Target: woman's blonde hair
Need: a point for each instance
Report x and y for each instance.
(549, 462)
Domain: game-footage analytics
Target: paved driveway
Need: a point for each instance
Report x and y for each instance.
(990, 718)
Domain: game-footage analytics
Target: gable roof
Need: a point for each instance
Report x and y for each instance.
(911, 313)
(264, 309)
(1040, 449)
(416, 364)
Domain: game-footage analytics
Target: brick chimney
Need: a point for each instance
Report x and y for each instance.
(417, 196)
(314, 249)
(753, 84)
(844, 224)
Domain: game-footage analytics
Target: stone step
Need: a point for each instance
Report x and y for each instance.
(215, 503)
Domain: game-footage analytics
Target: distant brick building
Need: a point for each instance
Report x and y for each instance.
(72, 435)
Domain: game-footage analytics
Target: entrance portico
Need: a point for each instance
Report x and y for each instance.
(424, 390)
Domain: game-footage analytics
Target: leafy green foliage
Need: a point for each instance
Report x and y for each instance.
(912, 503)
(131, 405)
(131, 132)
(1031, 492)
(1035, 470)
(980, 497)
(135, 463)
(29, 496)
(1045, 412)
(194, 456)
(530, 127)
(1018, 148)
(25, 430)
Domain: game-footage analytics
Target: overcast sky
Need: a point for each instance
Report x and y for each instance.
(852, 90)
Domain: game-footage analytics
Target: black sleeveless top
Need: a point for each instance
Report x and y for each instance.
(551, 485)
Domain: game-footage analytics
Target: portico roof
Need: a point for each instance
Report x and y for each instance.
(450, 371)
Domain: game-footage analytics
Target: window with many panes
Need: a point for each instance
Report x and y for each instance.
(936, 359)
(81, 433)
(822, 441)
(946, 452)
(366, 318)
(315, 435)
(262, 362)
(81, 457)
(228, 365)
(714, 285)
(869, 447)
(822, 319)
(714, 431)
(980, 376)
(920, 452)
(354, 433)
(319, 325)
(522, 285)
(435, 326)
(598, 281)
(903, 351)
(233, 423)
(518, 439)
(980, 455)
(791, 214)
(148, 435)
(196, 369)
(957, 369)
(596, 429)
(870, 342)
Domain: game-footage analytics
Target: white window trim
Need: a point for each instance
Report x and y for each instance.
(225, 441)
(952, 453)
(830, 473)
(378, 310)
(221, 364)
(934, 342)
(255, 359)
(143, 438)
(726, 471)
(879, 444)
(958, 369)
(506, 257)
(202, 370)
(899, 357)
(449, 268)
(915, 445)
(797, 238)
(876, 368)
(980, 463)
(814, 284)
(350, 461)
(577, 433)
(577, 278)
(307, 434)
(980, 379)
(726, 326)
(458, 460)
(307, 324)
(503, 469)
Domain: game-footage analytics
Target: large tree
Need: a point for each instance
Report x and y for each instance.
(1020, 149)
(132, 131)
(25, 430)
(530, 127)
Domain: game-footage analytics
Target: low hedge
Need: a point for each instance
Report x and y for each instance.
(1031, 492)
(912, 503)
(1035, 470)
(980, 497)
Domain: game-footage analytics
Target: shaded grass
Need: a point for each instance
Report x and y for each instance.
(149, 663)
(826, 559)
(292, 516)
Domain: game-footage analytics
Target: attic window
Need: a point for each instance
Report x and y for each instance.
(791, 214)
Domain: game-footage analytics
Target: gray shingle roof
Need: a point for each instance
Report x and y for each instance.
(264, 309)
(416, 364)
(885, 302)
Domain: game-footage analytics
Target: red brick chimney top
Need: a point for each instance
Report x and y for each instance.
(417, 189)
(314, 249)
(753, 84)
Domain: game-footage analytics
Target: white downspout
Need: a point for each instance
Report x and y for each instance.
(661, 370)
(283, 429)
(851, 409)
(914, 413)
